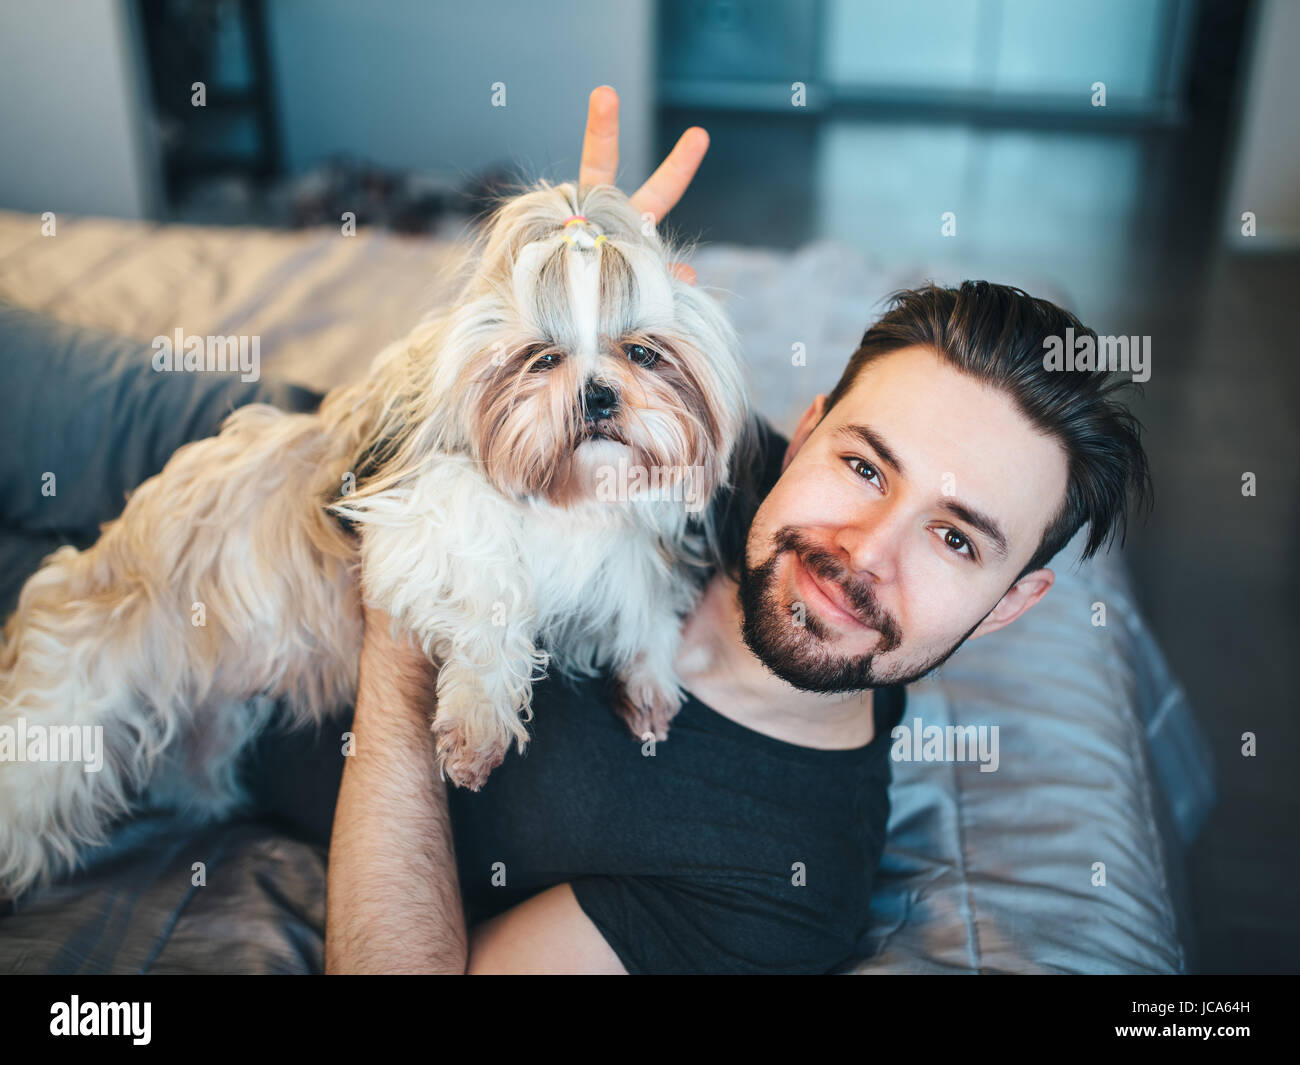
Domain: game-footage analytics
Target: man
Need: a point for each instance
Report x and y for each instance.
(913, 508)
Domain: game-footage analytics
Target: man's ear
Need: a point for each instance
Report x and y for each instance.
(1019, 598)
(814, 414)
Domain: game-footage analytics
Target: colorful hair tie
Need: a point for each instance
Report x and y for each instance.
(582, 238)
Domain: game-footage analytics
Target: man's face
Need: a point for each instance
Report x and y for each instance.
(898, 527)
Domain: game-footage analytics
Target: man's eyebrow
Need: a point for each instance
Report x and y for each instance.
(872, 439)
(980, 521)
(976, 519)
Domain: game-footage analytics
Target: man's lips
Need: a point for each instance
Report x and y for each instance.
(828, 598)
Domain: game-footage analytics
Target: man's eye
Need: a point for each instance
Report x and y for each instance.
(641, 355)
(958, 542)
(865, 470)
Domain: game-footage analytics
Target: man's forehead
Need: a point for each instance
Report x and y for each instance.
(957, 436)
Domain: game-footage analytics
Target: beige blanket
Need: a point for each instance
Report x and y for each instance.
(324, 304)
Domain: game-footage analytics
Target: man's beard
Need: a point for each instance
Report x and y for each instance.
(800, 655)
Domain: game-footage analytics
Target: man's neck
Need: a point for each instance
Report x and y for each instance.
(719, 669)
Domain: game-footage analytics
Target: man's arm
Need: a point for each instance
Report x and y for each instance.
(546, 934)
(393, 897)
(393, 902)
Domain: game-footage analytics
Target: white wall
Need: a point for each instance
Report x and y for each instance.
(71, 110)
(407, 83)
(404, 83)
(1266, 173)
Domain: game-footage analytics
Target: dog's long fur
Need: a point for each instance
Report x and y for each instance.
(459, 482)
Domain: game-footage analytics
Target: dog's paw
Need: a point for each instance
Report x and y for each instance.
(466, 765)
(646, 706)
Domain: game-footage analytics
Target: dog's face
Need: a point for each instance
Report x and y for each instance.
(578, 352)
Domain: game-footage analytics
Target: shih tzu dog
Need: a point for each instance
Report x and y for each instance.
(523, 483)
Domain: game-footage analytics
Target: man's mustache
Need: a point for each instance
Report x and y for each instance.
(860, 596)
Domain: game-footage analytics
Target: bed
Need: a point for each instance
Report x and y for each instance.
(1070, 858)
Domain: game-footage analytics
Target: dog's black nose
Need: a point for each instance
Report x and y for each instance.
(599, 401)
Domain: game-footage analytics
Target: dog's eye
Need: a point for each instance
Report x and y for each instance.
(640, 354)
(546, 360)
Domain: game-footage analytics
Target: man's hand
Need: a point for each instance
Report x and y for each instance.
(665, 187)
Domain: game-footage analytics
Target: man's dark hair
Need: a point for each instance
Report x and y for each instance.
(996, 334)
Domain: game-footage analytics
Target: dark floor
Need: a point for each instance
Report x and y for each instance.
(1220, 585)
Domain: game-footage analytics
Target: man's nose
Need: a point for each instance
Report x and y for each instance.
(599, 401)
(873, 544)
